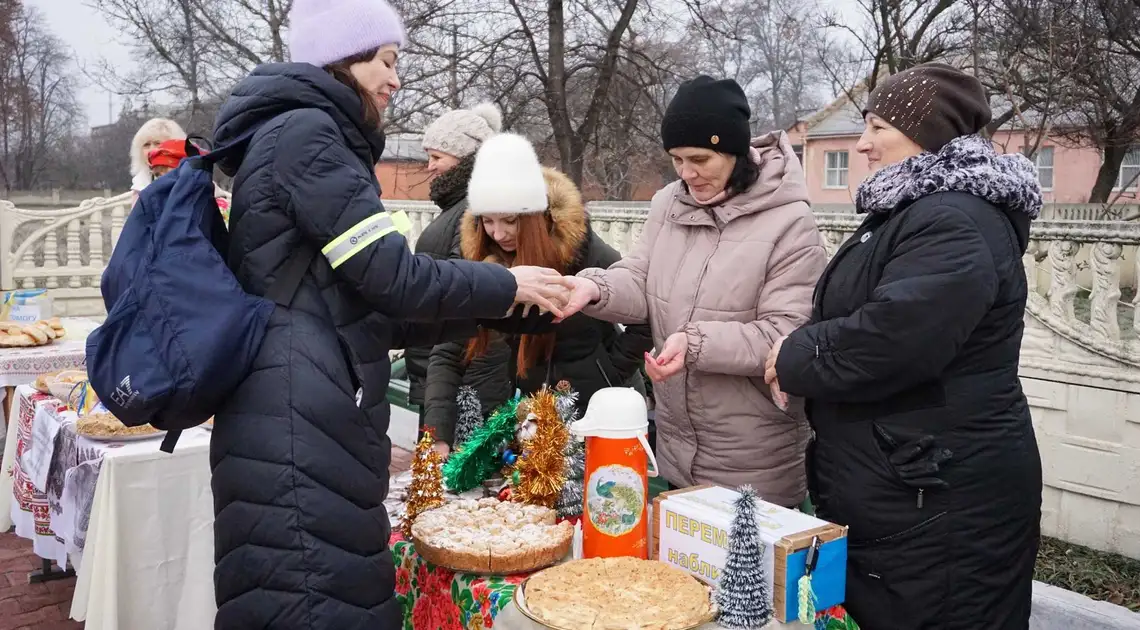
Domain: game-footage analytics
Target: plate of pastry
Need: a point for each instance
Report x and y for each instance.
(491, 537)
(30, 335)
(615, 594)
(105, 427)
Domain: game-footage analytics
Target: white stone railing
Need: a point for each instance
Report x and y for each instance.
(1078, 270)
(1080, 361)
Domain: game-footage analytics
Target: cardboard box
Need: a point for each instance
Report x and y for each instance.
(691, 528)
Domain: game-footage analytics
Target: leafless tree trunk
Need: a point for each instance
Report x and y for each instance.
(37, 100)
(570, 138)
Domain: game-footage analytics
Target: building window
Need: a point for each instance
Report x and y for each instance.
(798, 149)
(835, 171)
(1044, 163)
(1129, 175)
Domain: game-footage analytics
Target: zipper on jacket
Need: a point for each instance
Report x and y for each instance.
(689, 318)
(920, 491)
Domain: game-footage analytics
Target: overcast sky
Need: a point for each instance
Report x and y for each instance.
(90, 38)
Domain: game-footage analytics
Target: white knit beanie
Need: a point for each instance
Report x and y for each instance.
(507, 178)
(461, 131)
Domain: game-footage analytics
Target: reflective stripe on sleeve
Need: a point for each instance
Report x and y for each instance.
(364, 234)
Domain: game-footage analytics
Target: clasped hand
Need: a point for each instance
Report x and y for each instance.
(538, 286)
(770, 376)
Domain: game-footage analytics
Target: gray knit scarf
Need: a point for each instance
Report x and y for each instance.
(966, 164)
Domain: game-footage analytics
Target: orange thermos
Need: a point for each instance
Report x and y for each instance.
(615, 514)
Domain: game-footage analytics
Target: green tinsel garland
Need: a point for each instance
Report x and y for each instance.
(478, 458)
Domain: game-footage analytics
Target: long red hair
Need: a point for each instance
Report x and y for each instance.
(550, 239)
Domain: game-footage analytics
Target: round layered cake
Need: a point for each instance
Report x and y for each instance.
(617, 594)
(492, 537)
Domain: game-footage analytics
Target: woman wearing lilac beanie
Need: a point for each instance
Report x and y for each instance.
(300, 451)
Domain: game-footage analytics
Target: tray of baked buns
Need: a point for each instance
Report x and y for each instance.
(491, 537)
(31, 334)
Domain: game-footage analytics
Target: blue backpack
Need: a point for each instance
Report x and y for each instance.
(181, 333)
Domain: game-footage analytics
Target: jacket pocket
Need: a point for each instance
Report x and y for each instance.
(915, 460)
(901, 581)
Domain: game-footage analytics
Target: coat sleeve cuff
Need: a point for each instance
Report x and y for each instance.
(793, 364)
(696, 343)
(598, 276)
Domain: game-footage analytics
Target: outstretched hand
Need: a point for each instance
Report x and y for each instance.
(670, 360)
(545, 288)
(582, 292)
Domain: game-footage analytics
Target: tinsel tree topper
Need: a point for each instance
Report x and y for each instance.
(541, 467)
(425, 492)
(743, 595)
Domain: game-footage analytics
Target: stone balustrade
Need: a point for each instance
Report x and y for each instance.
(1080, 361)
(1083, 273)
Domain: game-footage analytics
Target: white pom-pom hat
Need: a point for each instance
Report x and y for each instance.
(461, 131)
(507, 178)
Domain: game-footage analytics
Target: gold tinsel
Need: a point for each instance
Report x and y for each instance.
(541, 468)
(425, 492)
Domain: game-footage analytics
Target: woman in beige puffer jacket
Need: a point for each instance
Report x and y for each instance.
(725, 266)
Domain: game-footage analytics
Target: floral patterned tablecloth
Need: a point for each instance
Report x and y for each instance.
(434, 598)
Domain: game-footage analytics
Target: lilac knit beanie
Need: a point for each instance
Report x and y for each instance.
(324, 31)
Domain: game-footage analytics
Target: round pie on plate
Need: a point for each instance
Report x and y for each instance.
(105, 425)
(617, 594)
(492, 537)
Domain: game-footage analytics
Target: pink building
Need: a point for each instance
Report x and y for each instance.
(826, 143)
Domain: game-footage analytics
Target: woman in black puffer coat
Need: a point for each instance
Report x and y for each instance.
(521, 213)
(450, 142)
(923, 441)
(300, 463)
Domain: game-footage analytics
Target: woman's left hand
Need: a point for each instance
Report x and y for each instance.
(670, 360)
(770, 365)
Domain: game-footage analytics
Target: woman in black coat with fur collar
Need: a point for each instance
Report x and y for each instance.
(924, 444)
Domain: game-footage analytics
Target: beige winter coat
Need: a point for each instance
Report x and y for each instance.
(734, 290)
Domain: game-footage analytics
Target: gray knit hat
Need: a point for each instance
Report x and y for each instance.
(461, 131)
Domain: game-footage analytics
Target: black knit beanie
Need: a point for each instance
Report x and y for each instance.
(708, 114)
(932, 104)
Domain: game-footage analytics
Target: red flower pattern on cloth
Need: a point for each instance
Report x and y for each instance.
(403, 581)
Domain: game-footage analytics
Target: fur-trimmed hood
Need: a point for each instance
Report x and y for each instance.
(567, 212)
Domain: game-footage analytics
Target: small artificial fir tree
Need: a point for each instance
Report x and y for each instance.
(470, 414)
(742, 595)
(569, 502)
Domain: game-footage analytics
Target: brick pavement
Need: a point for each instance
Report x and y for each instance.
(25, 606)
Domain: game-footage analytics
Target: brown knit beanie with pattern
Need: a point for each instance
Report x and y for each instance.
(932, 104)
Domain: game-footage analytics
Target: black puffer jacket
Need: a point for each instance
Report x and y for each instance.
(923, 441)
(588, 353)
(300, 469)
(440, 240)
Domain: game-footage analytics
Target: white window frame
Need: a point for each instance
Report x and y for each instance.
(842, 173)
(1051, 167)
(1134, 153)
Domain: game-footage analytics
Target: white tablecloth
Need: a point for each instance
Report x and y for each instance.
(19, 366)
(148, 557)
